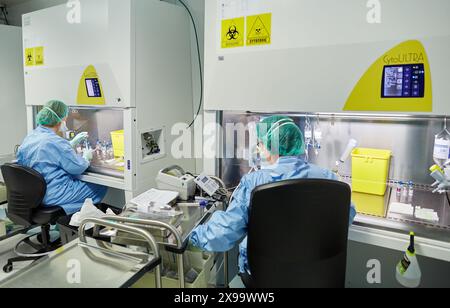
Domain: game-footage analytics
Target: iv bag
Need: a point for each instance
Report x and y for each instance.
(441, 151)
(317, 138)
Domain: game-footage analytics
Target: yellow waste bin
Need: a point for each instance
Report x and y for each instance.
(369, 204)
(370, 170)
(118, 143)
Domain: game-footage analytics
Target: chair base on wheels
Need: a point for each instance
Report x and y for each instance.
(41, 250)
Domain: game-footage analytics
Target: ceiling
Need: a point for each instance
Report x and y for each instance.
(12, 2)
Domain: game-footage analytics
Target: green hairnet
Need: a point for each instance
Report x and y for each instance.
(53, 113)
(290, 138)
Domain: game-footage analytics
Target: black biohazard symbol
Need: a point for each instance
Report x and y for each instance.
(233, 33)
(30, 57)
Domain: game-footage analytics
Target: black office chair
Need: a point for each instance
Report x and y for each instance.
(297, 235)
(26, 189)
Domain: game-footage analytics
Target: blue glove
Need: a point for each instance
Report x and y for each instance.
(81, 137)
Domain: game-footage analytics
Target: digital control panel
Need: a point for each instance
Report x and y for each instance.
(207, 184)
(93, 87)
(403, 81)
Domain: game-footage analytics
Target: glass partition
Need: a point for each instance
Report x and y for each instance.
(101, 125)
(106, 138)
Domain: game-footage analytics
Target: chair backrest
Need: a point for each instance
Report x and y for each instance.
(25, 189)
(298, 233)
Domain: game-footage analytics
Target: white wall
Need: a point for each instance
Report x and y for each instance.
(198, 11)
(12, 93)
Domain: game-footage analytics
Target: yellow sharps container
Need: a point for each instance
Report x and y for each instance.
(370, 170)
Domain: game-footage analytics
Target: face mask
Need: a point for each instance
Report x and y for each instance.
(264, 162)
(254, 158)
(63, 128)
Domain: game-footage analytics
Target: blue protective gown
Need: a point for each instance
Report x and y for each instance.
(54, 158)
(226, 229)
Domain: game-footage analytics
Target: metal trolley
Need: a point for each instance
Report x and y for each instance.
(161, 231)
(90, 263)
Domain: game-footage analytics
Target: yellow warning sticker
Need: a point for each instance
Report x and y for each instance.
(259, 30)
(233, 32)
(34, 56)
(29, 57)
(39, 56)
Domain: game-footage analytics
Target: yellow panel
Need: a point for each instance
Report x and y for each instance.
(367, 95)
(39, 56)
(233, 32)
(259, 30)
(83, 98)
(29, 57)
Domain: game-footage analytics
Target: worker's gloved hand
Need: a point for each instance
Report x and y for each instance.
(88, 155)
(79, 139)
(191, 247)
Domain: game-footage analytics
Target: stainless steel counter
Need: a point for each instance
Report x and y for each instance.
(114, 168)
(117, 266)
(391, 230)
(404, 223)
(101, 170)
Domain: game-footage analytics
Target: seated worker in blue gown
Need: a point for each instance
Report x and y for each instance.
(56, 160)
(227, 229)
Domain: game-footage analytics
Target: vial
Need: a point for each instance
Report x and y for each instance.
(411, 188)
(399, 188)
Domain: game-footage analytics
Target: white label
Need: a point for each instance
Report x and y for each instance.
(308, 134)
(318, 135)
(441, 149)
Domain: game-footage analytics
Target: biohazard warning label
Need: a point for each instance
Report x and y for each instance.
(259, 28)
(29, 57)
(34, 56)
(233, 32)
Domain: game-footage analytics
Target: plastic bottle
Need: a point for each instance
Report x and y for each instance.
(411, 189)
(104, 151)
(87, 145)
(308, 138)
(399, 188)
(441, 151)
(317, 137)
(404, 190)
(404, 194)
(98, 148)
(203, 204)
(408, 271)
